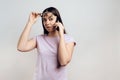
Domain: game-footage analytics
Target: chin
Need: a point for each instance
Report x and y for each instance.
(51, 31)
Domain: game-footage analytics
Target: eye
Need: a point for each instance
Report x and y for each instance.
(51, 19)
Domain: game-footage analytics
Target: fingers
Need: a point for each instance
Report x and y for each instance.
(35, 14)
(59, 26)
(40, 14)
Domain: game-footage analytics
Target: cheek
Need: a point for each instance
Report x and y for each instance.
(53, 22)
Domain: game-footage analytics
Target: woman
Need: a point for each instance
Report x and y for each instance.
(55, 47)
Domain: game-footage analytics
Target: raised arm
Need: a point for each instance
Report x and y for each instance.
(24, 43)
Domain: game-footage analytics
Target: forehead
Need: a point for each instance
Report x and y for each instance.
(48, 15)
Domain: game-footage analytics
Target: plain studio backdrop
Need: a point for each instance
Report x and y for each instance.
(94, 24)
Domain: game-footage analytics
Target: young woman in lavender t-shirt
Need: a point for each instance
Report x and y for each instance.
(55, 47)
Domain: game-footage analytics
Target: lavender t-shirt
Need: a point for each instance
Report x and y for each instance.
(47, 62)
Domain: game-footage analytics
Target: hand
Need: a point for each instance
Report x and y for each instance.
(60, 27)
(33, 17)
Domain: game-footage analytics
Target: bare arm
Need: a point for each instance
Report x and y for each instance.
(65, 50)
(24, 43)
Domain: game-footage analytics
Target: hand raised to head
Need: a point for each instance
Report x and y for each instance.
(34, 16)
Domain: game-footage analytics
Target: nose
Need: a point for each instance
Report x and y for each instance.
(47, 22)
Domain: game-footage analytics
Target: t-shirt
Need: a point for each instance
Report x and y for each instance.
(47, 62)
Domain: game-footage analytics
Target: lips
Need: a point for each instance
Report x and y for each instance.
(48, 27)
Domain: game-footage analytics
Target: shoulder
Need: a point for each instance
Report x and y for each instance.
(38, 37)
(69, 38)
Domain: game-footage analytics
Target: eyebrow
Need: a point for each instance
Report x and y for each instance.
(49, 16)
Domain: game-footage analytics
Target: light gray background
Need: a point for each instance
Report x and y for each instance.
(95, 25)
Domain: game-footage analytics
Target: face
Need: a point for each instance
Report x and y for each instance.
(49, 20)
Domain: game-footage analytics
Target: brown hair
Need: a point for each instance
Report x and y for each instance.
(55, 12)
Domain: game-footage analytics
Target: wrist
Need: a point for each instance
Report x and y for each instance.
(62, 35)
(29, 23)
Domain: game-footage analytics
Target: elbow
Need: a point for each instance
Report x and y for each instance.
(20, 49)
(64, 63)
(23, 49)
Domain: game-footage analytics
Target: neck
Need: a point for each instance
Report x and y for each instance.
(53, 34)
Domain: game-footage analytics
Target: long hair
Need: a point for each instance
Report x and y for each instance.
(55, 12)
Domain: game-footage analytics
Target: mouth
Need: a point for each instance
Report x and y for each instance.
(48, 28)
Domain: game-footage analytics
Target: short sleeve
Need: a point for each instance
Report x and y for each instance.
(69, 39)
(36, 37)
